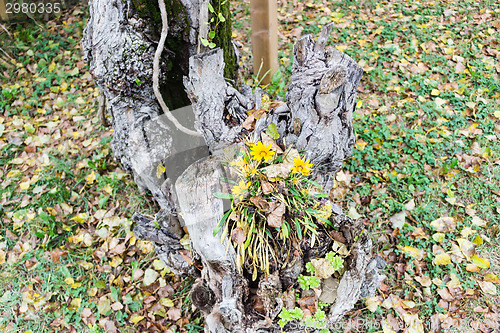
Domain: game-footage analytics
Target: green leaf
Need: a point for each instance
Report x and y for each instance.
(204, 41)
(298, 227)
(211, 45)
(100, 284)
(310, 268)
(222, 195)
(285, 227)
(211, 34)
(222, 18)
(227, 180)
(272, 131)
(221, 222)
(210, 8)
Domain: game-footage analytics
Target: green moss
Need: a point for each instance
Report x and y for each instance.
(150, 12)
(177, 44)
(223, 40)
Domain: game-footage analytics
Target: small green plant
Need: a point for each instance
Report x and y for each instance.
(310, 268)
(287, 316)
(317, 320)
(335, 261)
(215, 20)
(308, 282)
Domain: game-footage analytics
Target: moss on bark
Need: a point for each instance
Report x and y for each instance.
(178, 47)
(223, 39)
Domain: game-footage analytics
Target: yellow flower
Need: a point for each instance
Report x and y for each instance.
(240, 190)
(239, 163)
(250, 171)
(301, 166)
(261, 151)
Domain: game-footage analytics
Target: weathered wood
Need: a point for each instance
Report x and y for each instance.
(317, 118)
(119, 41)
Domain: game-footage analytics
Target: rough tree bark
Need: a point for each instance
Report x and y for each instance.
(317, 117)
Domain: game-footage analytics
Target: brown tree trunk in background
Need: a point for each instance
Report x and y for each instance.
(264, 38)
(3, 14)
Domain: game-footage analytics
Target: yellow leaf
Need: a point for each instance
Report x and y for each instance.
(90, 178)
(52, 66)
(480, 262)
(438, 237)
(167, 302)
(490, 277)
(360, 145)
(69, 281)
(442, 259)
(24, 185)
(413, 252)
(497, 114)
(160, 169)
(80, 218)
(341, 48)
(116, 261)
(386, 327)
(435, 92)
(478, 240)
(75, 304)
(158, 265)
(454, 281)
(86, 265)
(108, 189)
(134, 319)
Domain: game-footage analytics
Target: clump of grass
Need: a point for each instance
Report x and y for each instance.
(274, 204)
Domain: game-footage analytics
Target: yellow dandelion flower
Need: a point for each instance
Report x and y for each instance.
(301, 166)
(240, 190)
(261, 151)
(250, 171)
(239, 163)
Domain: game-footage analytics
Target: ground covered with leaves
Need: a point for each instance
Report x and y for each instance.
(424, 177)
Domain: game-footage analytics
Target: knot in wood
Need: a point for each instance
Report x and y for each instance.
(332, 79)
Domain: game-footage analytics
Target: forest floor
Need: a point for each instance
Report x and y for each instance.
(424, 177)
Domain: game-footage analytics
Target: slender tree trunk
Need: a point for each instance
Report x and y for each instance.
(3, 11)
(264, 38)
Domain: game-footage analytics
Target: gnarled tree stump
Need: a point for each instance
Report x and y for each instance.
(317, 118)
